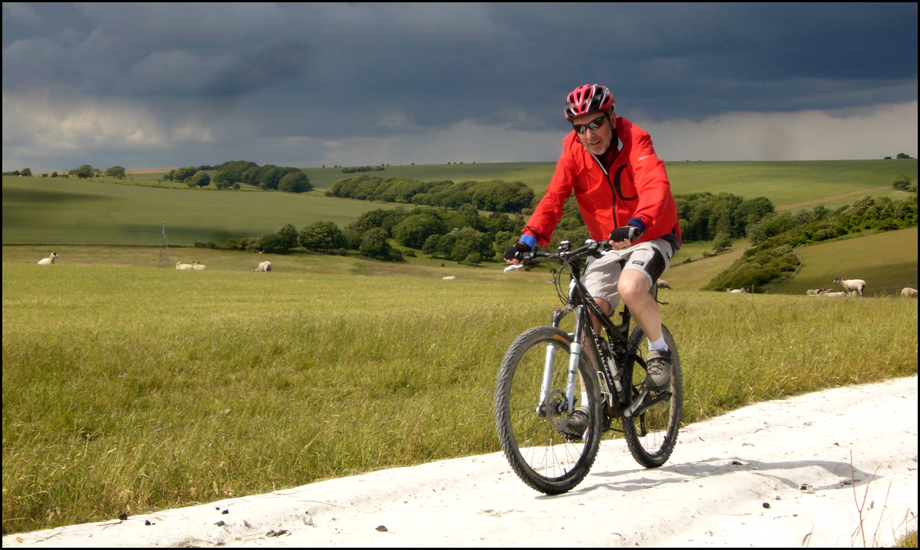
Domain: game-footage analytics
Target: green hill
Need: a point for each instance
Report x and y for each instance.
(784, 183)
(107, 211)
(68, 211)
(886, 261)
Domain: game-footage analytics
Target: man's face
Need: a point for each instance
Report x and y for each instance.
(597, 141)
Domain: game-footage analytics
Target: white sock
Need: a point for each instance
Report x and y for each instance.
(658, 345)
(584, 398)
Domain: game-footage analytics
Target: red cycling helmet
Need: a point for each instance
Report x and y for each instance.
(587, 99)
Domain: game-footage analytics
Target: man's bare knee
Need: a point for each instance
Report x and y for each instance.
(632, 285)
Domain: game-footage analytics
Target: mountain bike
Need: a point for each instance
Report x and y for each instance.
(536, 388)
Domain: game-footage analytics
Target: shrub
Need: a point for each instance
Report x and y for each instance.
(901, 181)
(274, 244)
(295, 182)
(887, 225)
(201, 179)
(322, 236)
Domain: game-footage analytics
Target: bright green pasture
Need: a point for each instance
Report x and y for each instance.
(886, 261)
(69, 211)
(696, 275)
(128, 389)
(787, 183)
(99, 211)
(236, 260)
(784, 183)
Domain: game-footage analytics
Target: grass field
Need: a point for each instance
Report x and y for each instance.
(784, 183)
(65, 210)
(791, 182)
(127, 389)
(886, 261)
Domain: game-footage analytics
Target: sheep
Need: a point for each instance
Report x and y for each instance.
(49, 260)
(851, 285)
(449, 278)
(909, 292)
(819, 291)
(180, 265)
(198, 266)
(742, 290)
(264, 267)
(663, 284)
(834, 294)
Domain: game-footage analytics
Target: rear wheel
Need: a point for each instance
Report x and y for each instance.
(529, 430)
(652, 435)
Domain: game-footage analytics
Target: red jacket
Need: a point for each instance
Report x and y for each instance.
(637, 173)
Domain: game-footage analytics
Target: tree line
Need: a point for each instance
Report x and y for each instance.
(231, 174)
(772, 260)
(462, 235)
(495, 196)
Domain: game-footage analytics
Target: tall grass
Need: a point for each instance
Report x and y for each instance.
(132, 389)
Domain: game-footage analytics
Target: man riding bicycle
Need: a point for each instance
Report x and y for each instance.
(624, 197)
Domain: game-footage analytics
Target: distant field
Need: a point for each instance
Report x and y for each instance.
(108, 211)
(784, 183)
(534, 174)
(67, 211)
(886, 261)
(791, 182)
(696, 275)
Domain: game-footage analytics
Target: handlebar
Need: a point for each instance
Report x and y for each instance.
(563, 253)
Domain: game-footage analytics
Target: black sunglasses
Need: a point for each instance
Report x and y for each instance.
(594, 125)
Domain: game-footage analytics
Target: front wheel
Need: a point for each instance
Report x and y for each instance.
(652, 435)
(530, 409)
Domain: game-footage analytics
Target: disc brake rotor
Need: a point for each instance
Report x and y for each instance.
(555, 410)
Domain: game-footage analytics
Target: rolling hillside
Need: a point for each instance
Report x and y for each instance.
(107, 211)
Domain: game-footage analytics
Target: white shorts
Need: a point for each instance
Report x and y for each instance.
(601, 275)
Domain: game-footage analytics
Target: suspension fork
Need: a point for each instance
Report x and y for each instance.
(575, 350)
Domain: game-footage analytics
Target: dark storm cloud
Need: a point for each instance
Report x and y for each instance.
(476, 60)
(333, 71)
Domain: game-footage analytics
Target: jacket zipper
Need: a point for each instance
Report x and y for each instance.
(613, 192)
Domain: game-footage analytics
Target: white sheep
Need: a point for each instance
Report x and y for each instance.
(198, 266)
(909, 292)
(813, 292)
(851, 285)
(834, 294)
(180, 265)
(449, 278)
(49, 260)
(264, 267)
(663, 284)
(742, 290)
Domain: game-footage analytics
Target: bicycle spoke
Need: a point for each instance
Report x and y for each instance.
(544, 458)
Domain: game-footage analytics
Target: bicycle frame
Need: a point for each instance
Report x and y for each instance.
(582, 304)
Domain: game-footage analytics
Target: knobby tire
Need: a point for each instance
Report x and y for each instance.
(537, 452)
(662, 421)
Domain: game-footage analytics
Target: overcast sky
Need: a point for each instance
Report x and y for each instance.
(166, 85)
